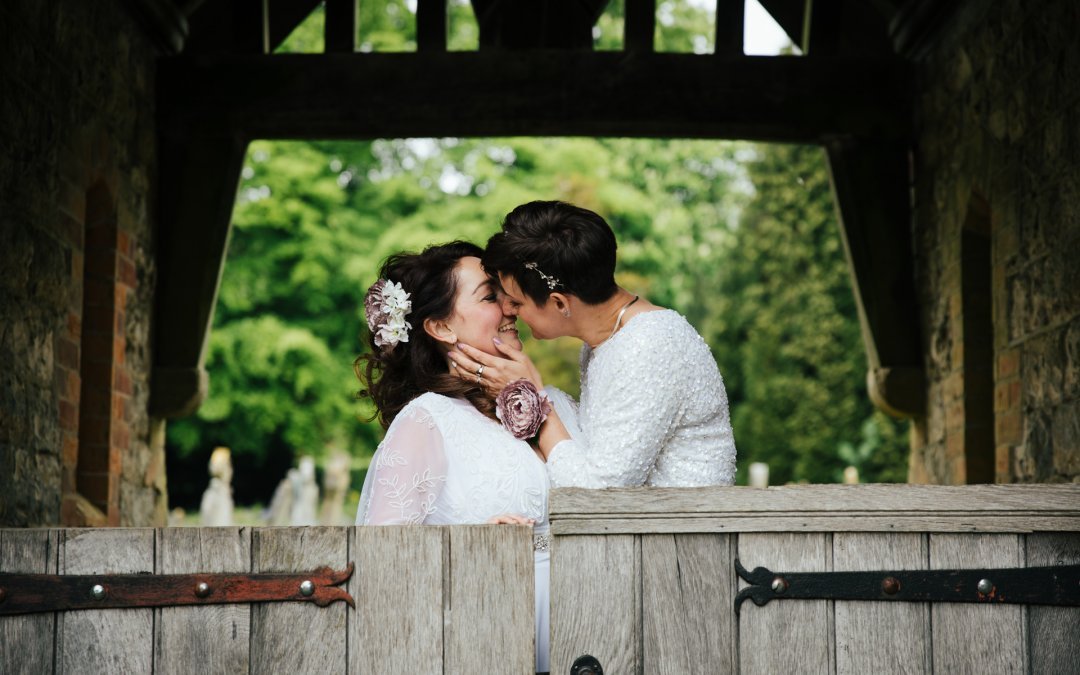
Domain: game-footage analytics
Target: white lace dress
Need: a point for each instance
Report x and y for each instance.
(442, 462)
(653, 411)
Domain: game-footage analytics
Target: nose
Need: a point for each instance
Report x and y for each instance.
(508, 308)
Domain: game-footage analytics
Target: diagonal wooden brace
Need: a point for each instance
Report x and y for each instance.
(31, 593)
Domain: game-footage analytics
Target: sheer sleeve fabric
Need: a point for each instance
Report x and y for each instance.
(635, 404)
(407, 474)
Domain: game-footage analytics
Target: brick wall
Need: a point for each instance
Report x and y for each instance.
(999, 130)
(76, 254)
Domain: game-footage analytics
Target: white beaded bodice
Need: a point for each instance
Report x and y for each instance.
(442, 462)
(653, 411)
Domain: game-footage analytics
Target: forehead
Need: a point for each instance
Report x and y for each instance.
(510, 286)
(470, 273)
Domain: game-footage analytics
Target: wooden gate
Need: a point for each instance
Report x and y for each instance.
(644, 579)
(428, 600)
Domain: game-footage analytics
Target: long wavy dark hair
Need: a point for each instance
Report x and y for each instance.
(394, 377)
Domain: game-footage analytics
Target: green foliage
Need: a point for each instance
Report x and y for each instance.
(786, 336)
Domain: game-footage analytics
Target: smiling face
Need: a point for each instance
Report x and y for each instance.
(478, 315)
(546, 322)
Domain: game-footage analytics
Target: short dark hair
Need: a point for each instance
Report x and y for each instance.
(568, 249)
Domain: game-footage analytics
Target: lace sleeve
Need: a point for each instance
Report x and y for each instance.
(407, 472)
(636, 405)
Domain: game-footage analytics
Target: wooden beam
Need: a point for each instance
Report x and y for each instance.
(431, 25)
(537, 93)
(197, 187)
(730, 20)
(251, 26)
(339, 31)
(871, 185)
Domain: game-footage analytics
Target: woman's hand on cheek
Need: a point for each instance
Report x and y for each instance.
(496, 372)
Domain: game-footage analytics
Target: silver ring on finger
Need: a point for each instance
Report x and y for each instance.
(480, 371)
(479, 380)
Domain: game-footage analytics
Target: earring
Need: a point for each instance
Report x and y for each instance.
(566, 313)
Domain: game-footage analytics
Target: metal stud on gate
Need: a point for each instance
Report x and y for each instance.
(586, 664)
(985, 586)
(890, 585)
(97, 592)
(307, 588)
(202, 589)
(779, 585)
(2, 595)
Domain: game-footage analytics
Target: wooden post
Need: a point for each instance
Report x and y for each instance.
(730, 20)
(340, 29)
(640, 25)
(431, 25)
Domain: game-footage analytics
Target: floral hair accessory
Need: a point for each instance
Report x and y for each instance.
(551, 281)
(522, 408)
(386, 305)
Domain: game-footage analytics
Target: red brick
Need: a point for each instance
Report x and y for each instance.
(70, 453)
(123, 243)
(74, 326)
(126, 272)
(67, 384)
(67, 353)
(69, 416)
(1003, 460)
(119, 406)
(119, 349)
(122, 382)
(121, 437)
(954, 416)
(1008, 363)
(120, 325)
(1007, 427)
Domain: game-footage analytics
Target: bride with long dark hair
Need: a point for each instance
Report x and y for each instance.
(446, 459)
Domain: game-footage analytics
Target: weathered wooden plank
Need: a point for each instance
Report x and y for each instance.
(398, 588)
(501, 92)
(210, 639)
(817, 500)
(977, 638)
(26, 642)
(686, 603)
(835, 522)
(491, 618)
(791, 636)
(297, 637)
(861, 627)
(596, 602)
(106, 640)
(1053, 631)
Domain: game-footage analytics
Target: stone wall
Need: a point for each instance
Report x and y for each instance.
(998, 156)
(76, 250)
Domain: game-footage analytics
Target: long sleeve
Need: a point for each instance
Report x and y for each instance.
(634, 406)
(407, 474)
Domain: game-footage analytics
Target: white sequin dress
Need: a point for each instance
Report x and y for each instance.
(442, 462)
(653, 411)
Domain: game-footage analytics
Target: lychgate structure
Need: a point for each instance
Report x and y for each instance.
(950, 127)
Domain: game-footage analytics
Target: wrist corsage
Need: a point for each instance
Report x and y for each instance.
(522, 408)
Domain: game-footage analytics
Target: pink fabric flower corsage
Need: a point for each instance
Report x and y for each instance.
(522, 408)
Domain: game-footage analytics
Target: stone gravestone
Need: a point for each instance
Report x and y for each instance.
(335, 487)
(217, 502)
(305, 503)
(280, 511)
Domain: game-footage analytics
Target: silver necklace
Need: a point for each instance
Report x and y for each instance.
(618, 319)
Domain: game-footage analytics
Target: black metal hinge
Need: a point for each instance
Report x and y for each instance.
(1059, 585)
